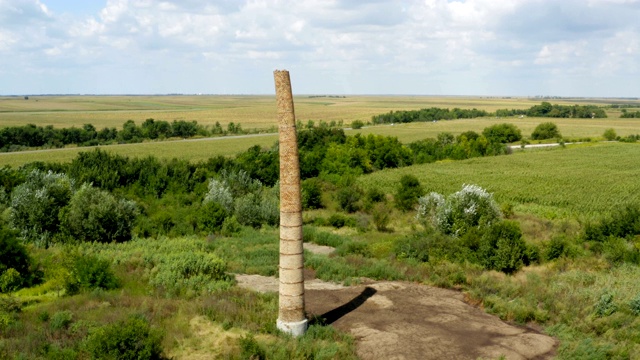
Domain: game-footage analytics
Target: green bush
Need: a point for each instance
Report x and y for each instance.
(375, 195)
(35, 205)
(502, 133)
(88, 272)
(15, 263)
(270, 206)
(312, 194)
(622, 223)
(132, 338)
(610, 134)
(338, 220)
(408, 192)
(349, 198)
(230, 226)
(357, 124)
(381, 217)
(546, 130)
(502, 248)
(96, 215)
(251, 349)
(211, 216)
(61, 320)
(247, 210)
(412, 247)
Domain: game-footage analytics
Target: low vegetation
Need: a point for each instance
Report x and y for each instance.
(134, 257)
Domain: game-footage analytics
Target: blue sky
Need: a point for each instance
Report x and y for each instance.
(427, 47)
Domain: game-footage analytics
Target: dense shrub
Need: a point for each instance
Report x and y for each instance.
(357, 124)
(408, 192)
(247, 210)
(15, 262)
(348, 198)
(502, 133)
(96, 215)
(381, 217)
(610, 134)
(546, 130)
(211, 216)
(622, 223)
(470, 207)
(132, 339)
(338, 220)
(311, 194)
(88, 272)
(35, 205)
(502, 248)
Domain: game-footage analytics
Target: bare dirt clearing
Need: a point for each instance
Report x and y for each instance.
(399, 320)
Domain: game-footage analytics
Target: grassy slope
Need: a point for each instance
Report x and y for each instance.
(574, 181)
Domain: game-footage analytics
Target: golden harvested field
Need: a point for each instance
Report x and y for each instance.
(250, 111)
(259, 112)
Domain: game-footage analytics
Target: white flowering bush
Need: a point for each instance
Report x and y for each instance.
(470, 207)
(219, 192)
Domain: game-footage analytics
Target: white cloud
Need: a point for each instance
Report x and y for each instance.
(463, 46)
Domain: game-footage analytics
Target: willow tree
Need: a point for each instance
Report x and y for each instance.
(291, 315)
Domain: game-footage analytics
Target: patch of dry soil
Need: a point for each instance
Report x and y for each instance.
(399, 320)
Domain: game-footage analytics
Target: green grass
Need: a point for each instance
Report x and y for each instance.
(576, 181)
(53, 326)
(189, 150)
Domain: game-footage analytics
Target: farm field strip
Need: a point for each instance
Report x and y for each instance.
(577, 181)
(192, 150)
(406, 133)
(250, 111)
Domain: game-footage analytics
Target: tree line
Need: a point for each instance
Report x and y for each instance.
(545, 109)
(105, 197)
(15, 138)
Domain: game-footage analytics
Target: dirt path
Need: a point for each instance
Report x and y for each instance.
(399, 320)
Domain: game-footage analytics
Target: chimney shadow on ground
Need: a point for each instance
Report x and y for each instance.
(334, 315)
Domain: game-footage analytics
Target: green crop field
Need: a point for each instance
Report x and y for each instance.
(577, 181)
(250, 111)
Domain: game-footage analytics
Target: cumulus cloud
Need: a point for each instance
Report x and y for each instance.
(482, 47)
